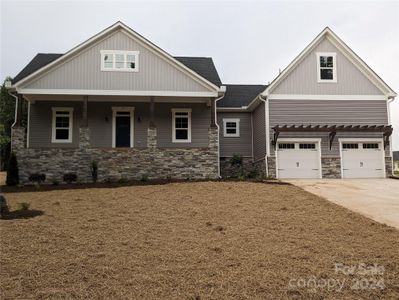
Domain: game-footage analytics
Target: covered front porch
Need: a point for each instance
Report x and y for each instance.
(128, 137)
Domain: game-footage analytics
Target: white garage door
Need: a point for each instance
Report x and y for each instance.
(298, 160)
(362, 160)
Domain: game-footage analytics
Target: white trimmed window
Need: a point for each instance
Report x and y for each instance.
(62, 125)
(231, 127)
(326, 67)
(181, 125)
(124, 61)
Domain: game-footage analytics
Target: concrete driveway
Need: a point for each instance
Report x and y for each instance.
(377, 199)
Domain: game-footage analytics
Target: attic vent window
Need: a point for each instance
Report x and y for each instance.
(326, 67)
(124, 61)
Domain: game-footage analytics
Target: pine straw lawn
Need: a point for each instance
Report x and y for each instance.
(204, 240)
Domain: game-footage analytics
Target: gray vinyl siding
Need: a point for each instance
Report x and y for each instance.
(236, 145)
(303, 78)
(40, 127)
(83, 71)
(100, 123)
(259, 132)
(327, 112)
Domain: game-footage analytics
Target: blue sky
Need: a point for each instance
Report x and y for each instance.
(248, 40)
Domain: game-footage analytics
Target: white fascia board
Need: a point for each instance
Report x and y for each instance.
(326, 97)
(116, 93)
(232, 109)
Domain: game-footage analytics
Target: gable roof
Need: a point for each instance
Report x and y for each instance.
(348, 52)
(117, 26)
(203, 66)
(239, 95)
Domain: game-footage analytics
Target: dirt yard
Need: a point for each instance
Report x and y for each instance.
(206, 240)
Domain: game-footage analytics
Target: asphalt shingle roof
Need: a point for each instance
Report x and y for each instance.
(203, 66)
(238, 95)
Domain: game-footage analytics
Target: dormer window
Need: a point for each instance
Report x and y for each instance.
(125, 61)
(326, 67)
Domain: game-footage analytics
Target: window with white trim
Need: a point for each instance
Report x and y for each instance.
(62, 125)
(231, 127)
(181, 124)
(326, 67)
(125, 61)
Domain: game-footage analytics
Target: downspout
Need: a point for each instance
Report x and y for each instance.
(217, 126)
(266, 132)
(16, 107)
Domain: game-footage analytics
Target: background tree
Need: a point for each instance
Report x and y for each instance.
(7, 114)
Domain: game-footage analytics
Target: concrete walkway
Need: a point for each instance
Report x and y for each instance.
(377, 199)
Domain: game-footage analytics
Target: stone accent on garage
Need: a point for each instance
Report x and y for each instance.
(388, 166)
(271, 165)
(331, 167)
(116, 163)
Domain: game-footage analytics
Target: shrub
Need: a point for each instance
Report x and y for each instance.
(37, 178)
(70, 177)
(144, 177)
(3, 206)
(23, 206)
(12, 170)
(236, 160)
(122, 180)
(55, 182)
(94, 170)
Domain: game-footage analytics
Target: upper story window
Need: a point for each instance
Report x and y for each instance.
(124, 61)
(62, 125)
(181, 124)
(326, 67)
(231, 127)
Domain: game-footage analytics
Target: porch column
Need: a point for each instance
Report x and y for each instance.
(213, 115)
(84, 131)
(152, 129)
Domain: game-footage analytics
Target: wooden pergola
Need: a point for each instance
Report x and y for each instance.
(386, 130)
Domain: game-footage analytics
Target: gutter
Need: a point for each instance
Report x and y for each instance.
(16, 107)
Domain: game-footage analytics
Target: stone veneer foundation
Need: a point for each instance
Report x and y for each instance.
(116, 163)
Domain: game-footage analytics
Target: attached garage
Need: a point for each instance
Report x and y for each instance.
(362, 158)
(298, 158)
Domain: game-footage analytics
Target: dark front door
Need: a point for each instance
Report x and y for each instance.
(122, 131)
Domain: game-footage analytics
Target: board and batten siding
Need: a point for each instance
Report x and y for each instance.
(83, 71)
(303, 78)
(241, 145)
(100, 123)
(328, 112)
(259, 132)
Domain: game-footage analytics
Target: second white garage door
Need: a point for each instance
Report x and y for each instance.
(298, 159)
(362, 159)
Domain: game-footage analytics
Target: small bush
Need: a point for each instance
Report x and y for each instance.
(144, 178)
(122, 180)
(37, 178)
(94, 170)
(70, 177)
(55, 182)
(23, 206)
(3, 206)
(12, 170)
(236, 160)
